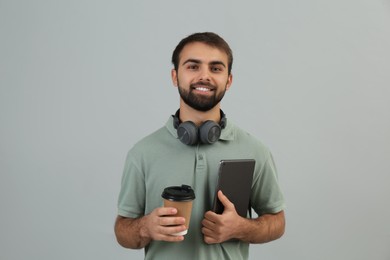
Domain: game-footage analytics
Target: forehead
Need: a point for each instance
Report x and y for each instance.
(203, 52)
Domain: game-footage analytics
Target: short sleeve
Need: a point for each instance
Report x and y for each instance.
(131, 201)
(266, 194)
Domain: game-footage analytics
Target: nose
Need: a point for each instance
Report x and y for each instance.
(204, 74)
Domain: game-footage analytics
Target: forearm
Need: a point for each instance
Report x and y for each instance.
(131, 233)
(263, 229)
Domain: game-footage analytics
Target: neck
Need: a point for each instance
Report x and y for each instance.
(198, 117)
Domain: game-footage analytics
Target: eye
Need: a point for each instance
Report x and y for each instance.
(216, 68)
(193, 66)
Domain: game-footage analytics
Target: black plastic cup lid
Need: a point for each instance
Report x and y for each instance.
(178, 193)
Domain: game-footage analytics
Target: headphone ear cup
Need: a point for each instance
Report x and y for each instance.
(209, 132)
(188, 133)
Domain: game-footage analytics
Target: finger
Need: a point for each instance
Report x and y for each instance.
(209, 240)
(170, 238)
(169, 230)
(170, 221)
(208, 232)
(208, 224)
(225, 201)
(174, 238)
(212, 216)
(165, 211)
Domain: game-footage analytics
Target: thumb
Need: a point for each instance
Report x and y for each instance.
(225, 201)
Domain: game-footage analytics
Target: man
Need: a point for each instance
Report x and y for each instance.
(202, 73)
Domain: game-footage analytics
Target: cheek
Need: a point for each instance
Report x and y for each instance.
(184, 80)
(223, 82)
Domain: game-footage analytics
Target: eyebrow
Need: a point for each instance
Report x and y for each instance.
(199, 62)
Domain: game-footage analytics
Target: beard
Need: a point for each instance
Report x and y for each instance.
(197, 102)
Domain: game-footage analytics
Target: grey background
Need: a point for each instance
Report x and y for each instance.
(82, 81)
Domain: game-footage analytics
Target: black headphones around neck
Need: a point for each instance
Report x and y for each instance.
(207, 133)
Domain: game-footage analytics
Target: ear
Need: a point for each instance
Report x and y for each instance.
(229, 81)
(174, 77)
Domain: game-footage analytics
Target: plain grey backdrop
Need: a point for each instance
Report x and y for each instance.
(82, 81)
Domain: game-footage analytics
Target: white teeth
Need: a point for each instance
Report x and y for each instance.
(203, 89)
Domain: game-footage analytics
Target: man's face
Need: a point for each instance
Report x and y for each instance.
(202, 76)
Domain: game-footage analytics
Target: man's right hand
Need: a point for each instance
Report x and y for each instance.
(161, 223)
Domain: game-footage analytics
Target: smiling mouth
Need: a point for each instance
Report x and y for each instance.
(203, 87)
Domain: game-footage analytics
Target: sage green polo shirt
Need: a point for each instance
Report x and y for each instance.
(161, 160)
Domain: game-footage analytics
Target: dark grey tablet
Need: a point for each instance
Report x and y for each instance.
(235, 181)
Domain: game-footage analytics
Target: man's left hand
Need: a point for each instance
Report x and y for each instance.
(218, 228)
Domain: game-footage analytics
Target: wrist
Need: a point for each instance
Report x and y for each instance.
(143, 228)
(242, 229)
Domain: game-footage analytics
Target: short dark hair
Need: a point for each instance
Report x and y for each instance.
(209, 38)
